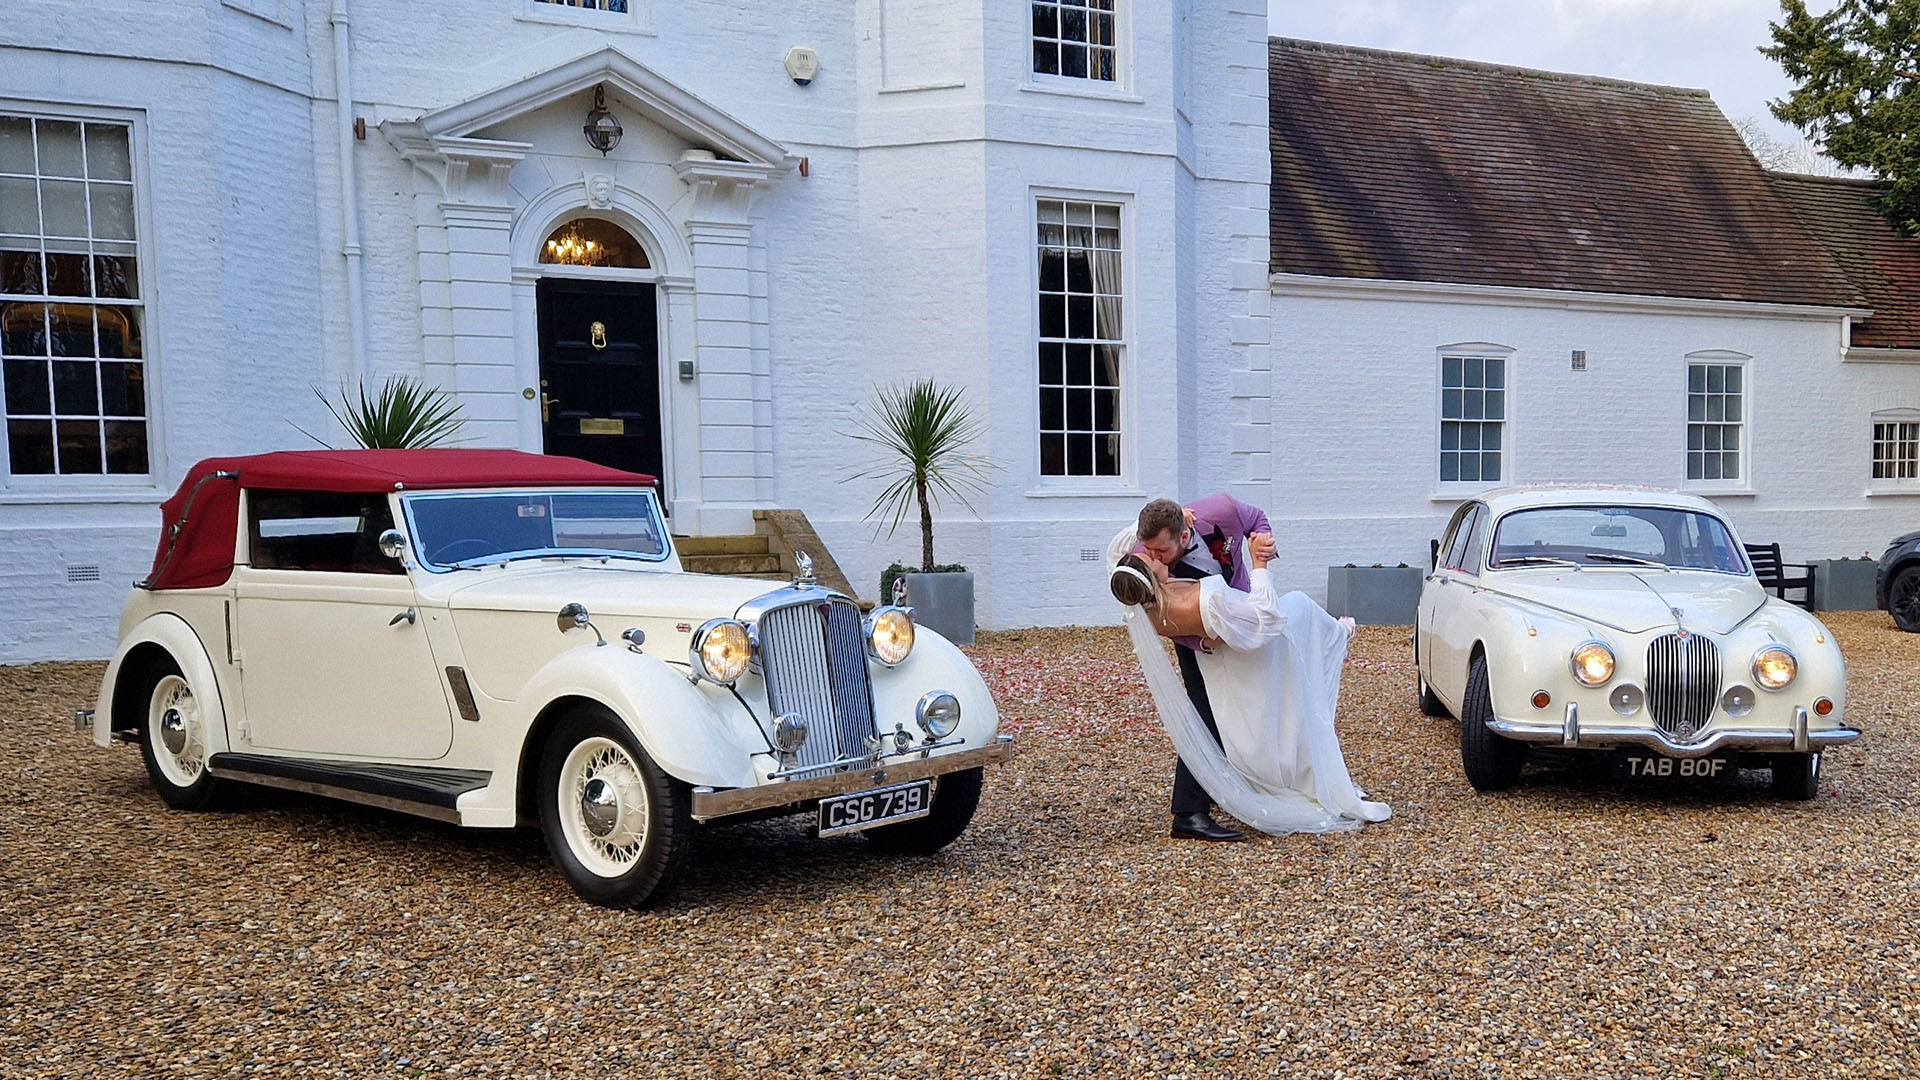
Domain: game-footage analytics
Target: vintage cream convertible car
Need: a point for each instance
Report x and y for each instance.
(495, 638)
(1626, 621)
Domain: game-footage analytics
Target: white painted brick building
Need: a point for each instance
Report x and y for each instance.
(911, 209)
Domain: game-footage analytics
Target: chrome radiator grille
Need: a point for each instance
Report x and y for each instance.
(1683, 682)
(813, 657)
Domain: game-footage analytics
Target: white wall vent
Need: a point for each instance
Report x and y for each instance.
(77, 575)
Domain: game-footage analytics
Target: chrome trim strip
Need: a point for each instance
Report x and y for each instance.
(384, 802)
(1608, 735)
(709, 803)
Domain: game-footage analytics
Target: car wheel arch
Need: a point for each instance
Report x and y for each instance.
(162, 636)
(534, 744)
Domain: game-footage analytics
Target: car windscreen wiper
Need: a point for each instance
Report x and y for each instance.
(1608, 556)
(1533, 560)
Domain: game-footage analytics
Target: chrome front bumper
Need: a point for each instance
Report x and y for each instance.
(1571, 733)
(712, 803)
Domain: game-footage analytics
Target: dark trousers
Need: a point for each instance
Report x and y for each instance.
(1188, 796)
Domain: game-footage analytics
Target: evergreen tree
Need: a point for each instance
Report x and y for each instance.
(1857, 70)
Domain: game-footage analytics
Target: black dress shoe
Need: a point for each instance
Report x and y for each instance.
(1201, 826)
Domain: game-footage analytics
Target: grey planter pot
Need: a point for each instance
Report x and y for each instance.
(1844, 584)
(943, 603)
(1375, 595)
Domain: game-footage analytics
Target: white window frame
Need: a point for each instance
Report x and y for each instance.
(1738, 485)
(1120, 87)
(109, 487)
(1123, 483)
(637, 19)
(1892, 485)
(1471, 350)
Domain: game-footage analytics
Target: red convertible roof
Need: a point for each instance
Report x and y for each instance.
(198, 522)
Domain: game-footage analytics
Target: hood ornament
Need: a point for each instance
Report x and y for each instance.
(1679, 628)
(802, 569)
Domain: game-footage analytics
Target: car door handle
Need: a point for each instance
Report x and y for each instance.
(408, 616)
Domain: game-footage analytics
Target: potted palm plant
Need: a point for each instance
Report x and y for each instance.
(404, 414)
(921, 430)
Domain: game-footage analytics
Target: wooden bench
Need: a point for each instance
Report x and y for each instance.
(1774, 576)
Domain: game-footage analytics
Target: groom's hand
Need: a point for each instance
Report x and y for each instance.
(1261, 548)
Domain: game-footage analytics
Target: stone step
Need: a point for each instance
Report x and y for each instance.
(734, 565)
(721, 545)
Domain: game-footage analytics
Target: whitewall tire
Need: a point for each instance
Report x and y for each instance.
(174, 739)
(619, 828)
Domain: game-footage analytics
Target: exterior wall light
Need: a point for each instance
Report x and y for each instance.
(602, 130)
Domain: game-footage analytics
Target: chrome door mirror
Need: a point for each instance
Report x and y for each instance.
(393, 544)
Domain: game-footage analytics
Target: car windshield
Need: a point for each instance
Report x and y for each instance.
(470, 528)
(1627, 536)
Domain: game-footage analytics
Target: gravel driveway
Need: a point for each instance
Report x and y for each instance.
(1568, 928)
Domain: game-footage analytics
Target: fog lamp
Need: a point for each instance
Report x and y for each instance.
(890, 635)
(1593, 664)
(1737, 701)
(938, 713)
(789, 733)
(721, 650)
(1774, 667)
(1626, 699)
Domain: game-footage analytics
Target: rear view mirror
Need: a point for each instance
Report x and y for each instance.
(393, 544)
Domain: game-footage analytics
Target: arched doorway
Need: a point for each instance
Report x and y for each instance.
(599, 348)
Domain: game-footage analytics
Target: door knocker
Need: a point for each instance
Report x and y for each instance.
(599, 332)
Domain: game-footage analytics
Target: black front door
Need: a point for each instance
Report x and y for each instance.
(600, 372)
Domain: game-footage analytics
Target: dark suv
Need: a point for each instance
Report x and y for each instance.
(1900, 581)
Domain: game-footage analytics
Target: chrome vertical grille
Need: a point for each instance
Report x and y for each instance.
(1683, 682)
(813, 656)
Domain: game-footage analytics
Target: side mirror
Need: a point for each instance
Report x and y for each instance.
(393, 544)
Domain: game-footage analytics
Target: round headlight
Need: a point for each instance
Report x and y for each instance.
(938, 713)
(721, 650)
(1774, 667)
(890, 635)
(1593, 664)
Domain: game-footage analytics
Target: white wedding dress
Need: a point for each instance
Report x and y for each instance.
(1274, 689)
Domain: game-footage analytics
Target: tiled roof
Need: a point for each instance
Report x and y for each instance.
(1415, 168)
(1884, 265)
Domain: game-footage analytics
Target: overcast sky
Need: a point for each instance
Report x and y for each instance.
(1695, 43)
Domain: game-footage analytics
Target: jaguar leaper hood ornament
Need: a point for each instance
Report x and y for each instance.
(803, 569)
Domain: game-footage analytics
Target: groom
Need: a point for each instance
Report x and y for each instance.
(1214, 535)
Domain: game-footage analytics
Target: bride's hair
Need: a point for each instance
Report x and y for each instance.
(1133, 582)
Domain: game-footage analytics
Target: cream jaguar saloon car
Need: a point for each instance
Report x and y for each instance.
(495, 639)
(1621, 621)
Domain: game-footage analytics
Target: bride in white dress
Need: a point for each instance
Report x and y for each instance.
(1273, 679)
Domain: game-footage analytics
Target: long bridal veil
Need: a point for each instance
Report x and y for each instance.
(1273, 812)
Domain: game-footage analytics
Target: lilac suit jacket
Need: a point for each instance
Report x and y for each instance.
(1221, 525)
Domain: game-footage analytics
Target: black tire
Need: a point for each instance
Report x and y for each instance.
(1796, 776)
(1903, 599)
(173, 736)
(956, 797)
(1492, 762)
(649, 839)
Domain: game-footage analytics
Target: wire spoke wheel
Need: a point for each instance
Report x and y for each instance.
(176, 731)
(603, 806)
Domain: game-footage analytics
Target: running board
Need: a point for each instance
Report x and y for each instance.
(410, 789)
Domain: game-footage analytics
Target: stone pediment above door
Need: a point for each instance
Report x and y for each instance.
(450, 143)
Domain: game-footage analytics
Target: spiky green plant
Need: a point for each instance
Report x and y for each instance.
(922, 429)
(405, 414)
